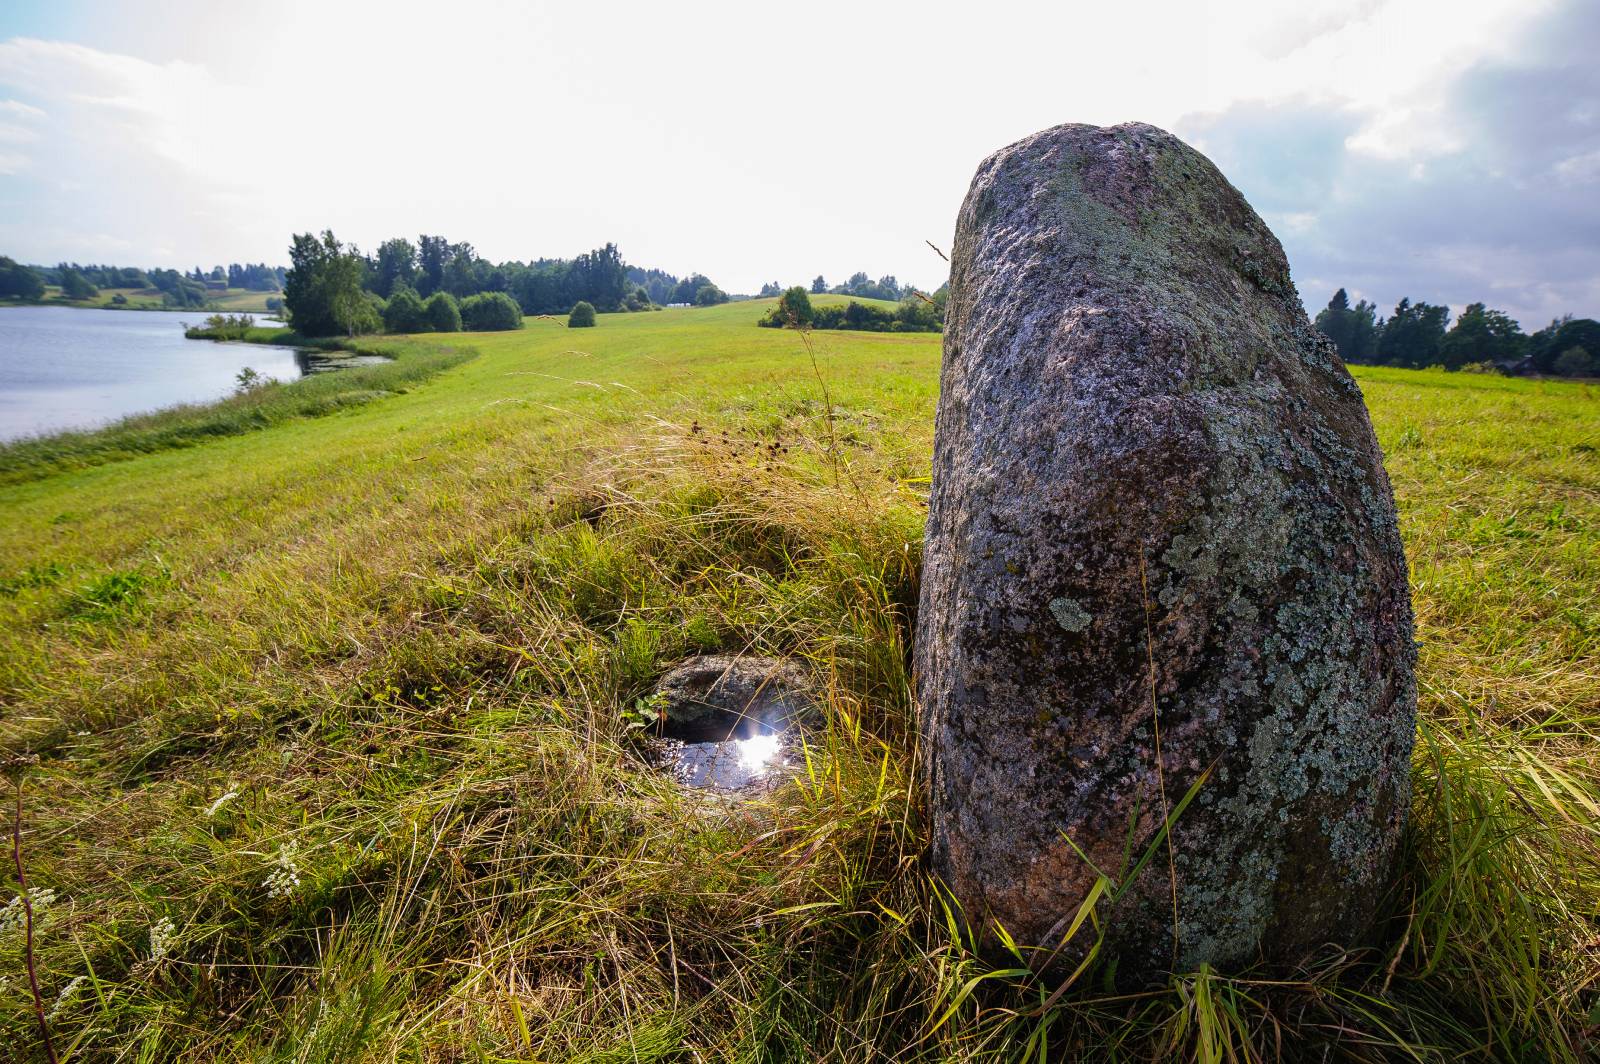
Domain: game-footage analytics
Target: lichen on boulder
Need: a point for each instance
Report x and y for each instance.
(1159, 518)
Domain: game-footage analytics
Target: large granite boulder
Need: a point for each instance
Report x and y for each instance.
(1159, 521)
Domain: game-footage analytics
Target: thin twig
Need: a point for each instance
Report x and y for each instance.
(936, 250)
(27, 913)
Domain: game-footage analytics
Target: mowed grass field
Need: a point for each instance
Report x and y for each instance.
(326, 746)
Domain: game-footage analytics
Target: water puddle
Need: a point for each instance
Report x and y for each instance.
(731, 723)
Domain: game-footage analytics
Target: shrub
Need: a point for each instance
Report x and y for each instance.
(794, 306)
(119, 300)
(442, 313)
(911, 316)
(1574, 362)
(222, 327)
(709, 295)
(917, 313)
(490, 312)
(404, 312)
(582, 316)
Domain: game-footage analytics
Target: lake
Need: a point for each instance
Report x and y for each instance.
(73, 368)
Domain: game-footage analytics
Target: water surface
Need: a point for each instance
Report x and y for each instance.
(76, 368)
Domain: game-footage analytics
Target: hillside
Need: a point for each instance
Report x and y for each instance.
(334, 757)
(234, 300)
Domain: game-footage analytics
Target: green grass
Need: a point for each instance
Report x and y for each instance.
(344, 701)
(261, 407)
(232, 300)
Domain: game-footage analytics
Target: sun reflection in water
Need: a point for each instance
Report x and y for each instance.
(756, 751)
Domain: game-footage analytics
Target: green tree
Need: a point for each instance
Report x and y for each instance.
(433, 254)
(709, 295)
(1560, 336)
(600, 277)
(396, 266)
(323, 294)
(794, 307)
(1412, 335)
(18, 281)
(404, 313)
(490, 312)
(582, 316)
(1336, 322)
(818, 285)
(1482, 335)
(442, 313)
(1575, 362)
(1363, 333)
(689, 287)
(75, 286)
(461, 273)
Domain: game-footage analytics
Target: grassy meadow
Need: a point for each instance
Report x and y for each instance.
(231, 301)
(322, 722)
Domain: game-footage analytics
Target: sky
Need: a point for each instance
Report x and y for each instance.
(1437, 149)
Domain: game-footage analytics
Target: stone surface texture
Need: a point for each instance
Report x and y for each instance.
(1155, 486)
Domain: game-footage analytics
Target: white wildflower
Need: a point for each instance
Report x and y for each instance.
(285, 875)
(64, 998)
(14, 916)
(211, 810)
(163, 936)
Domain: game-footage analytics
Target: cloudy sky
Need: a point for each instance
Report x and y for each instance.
(1440, 149)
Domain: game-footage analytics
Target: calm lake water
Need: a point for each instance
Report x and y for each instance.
(71, 368)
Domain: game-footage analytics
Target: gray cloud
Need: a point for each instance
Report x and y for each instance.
(1510, 217)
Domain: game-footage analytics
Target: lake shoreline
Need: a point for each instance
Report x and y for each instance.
(252, 405)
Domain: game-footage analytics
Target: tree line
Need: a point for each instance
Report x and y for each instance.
(1418, 335)
(540, 286)
(181, 290)
(859, 285)
(915, 313)
(436, 285)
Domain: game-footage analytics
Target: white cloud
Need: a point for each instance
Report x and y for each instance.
(19, 109)
(735, 139)
(171, 112)
(1482, 191)
(1580, 169)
